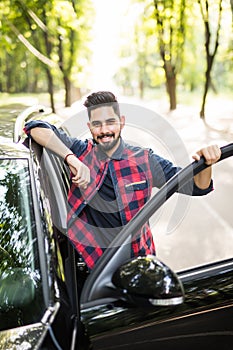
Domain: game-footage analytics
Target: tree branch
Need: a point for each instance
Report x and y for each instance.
(47, 61)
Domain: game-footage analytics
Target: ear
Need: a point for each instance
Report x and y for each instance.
(89, 125)
(122, 121)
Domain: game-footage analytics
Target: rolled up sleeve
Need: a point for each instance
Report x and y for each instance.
(75, 145)
(36, 124)
(163, 170)
(202, 192)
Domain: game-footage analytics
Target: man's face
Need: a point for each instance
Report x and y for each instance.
(105, 127)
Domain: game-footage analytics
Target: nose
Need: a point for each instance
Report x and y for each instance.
(104, 127)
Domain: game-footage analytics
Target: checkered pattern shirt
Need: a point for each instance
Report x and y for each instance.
(134, 171)
(132, 181)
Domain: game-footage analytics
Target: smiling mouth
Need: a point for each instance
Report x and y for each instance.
(105, 137)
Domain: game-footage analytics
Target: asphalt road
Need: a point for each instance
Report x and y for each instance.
(199, 230)
(187, 231)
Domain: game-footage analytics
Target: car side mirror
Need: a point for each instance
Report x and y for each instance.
(146, 280)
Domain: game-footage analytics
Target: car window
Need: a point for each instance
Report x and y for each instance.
(188, 231)
(20, 280)
(194, 231)
(99, 281)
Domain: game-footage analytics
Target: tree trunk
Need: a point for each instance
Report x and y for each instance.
(72, 93)
(50, 89)
(207, 83)
(141, 88)
(171, 85)
(171, 89)
(209, 56)
(210, 60)
(67, 84)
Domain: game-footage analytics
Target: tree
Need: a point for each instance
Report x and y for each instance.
(144, 38)
(42, 46)
(170, 27)
(157, 45)
(72, 36)
(55, 33)
(211, 46)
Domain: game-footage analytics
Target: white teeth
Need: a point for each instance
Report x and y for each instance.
(106, 137)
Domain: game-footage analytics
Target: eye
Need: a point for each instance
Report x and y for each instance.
(96, 124)
(111, 121)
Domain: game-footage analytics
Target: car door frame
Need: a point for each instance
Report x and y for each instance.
(209, 289)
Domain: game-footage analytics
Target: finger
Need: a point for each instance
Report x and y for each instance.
(75, 181)
(218, 151)
(76, 178)
(212, 154)
(196, 156)
(79, 175)
(81, 183)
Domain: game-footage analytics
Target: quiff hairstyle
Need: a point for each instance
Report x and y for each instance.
(100, 99)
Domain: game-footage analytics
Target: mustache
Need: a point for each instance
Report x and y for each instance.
(105, 135)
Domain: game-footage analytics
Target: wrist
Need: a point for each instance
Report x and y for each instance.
(67, 156)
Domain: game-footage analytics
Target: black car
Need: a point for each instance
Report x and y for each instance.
(49, 301)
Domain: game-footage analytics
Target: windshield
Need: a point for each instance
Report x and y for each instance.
(21, 299)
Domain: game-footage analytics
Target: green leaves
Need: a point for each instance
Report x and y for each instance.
(51, 35)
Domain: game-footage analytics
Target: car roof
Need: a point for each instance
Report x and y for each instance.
(10, 149)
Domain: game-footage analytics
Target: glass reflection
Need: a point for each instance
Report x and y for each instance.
(16, 222)
(20, 289)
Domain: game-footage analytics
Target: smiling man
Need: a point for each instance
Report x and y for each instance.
(106, 127)
(111, 180)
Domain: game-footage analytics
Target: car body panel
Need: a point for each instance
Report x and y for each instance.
(103, 315)
(27, 337)
(204, 318)
(212, 329)
(29, 291)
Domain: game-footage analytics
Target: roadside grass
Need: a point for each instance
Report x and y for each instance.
(219, 107)
(23, 99)
(12, 104)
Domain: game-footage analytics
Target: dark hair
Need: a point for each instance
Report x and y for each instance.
(99, 99)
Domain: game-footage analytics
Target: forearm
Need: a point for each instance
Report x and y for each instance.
(47, 138)
(203, 179)
(211, 154)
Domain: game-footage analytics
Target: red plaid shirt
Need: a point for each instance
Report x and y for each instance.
(132, 181)
(131, 176)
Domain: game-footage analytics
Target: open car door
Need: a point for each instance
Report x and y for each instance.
(141, 304)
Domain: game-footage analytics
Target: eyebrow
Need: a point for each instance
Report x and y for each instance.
(106, 120)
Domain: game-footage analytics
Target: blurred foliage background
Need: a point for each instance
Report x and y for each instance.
(172, 47)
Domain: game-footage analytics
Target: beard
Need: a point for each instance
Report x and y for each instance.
(108, 146)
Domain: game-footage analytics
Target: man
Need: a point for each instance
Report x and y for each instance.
(111, 180)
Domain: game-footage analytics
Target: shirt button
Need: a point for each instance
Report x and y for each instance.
(85, 202)
(73, 216)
